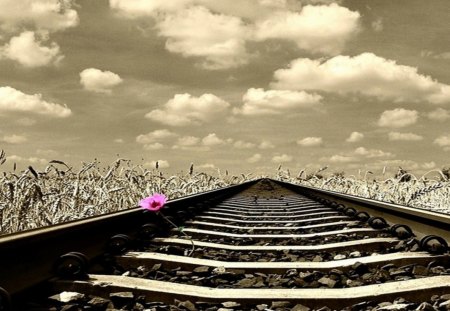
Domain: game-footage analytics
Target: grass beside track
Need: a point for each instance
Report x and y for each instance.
(32, 199)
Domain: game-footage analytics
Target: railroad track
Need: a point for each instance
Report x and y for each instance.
(262, 245)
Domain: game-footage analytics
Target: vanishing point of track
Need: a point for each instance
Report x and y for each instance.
(262, 245)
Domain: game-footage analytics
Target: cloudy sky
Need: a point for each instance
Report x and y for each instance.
(242, 86)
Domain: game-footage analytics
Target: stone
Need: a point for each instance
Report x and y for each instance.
(187, 305)
(300, 307)
(367, 276)
(219, 270)
(388, 266)
(246, 282)
(280, 304)
(398, 272)
(307, 276)
(336, 272)
(397, 307)
(354, 254)
(230, 304)
(98, 302)
(317, 259)
(339, 257)
(202, 269)
(65, 297)
(327, 281)
(361, 306)
(352, 283)
(445, 305)
(70, 307)
(438, 270)
(262, 307)
(120, 299)
(360, 268)
(425, 306)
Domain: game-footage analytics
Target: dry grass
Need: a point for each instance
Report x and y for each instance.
(58, 194)
(33, 199)
(404, 188)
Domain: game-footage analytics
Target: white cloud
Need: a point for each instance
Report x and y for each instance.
(249, 9)
(29, 51)
(30, 160)
(185, 109)
(230, 26)
(404, 136)
(13, 139)
(155, 136)
(432, 54)
(240, 144)
(282, 158)
(254, 158)
(212, 140)
(377, 25)
(341, 159)
(406, 164)
(47, 152)
(439, 114)
(99, 81)
(51, 15)
(26, 121)
(119, 141)
(355, 137)
(153, 146)
(206, 166)
(161, 164)
(397, 118)
(187, 141)
(261, 102)
(265, 144)
(428, 165)
(138, 8)
(372, 153)
(310, 141)
(443, 141)
(197, 32)
(366, 74)
(15, 101)
(445, 55)
(320, 28)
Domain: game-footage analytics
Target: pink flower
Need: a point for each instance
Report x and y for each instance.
(153, 203)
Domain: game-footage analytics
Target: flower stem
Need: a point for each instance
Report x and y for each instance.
(175, 226)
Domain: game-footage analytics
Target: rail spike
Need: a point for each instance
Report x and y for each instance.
(403, 232)
(377, 223)
(434, 244)
(148, 231)
(362, 216)
(119, 243)
(73, 265)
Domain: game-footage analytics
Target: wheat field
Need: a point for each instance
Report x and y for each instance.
(32, 199)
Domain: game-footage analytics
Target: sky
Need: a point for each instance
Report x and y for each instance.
(243, 86)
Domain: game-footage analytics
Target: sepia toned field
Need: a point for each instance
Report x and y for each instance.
(430, 191)
(32, 199)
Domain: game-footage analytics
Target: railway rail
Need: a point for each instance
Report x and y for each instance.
(261, 245)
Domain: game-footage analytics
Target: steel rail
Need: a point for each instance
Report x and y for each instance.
(422, 222)
(27, 258)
